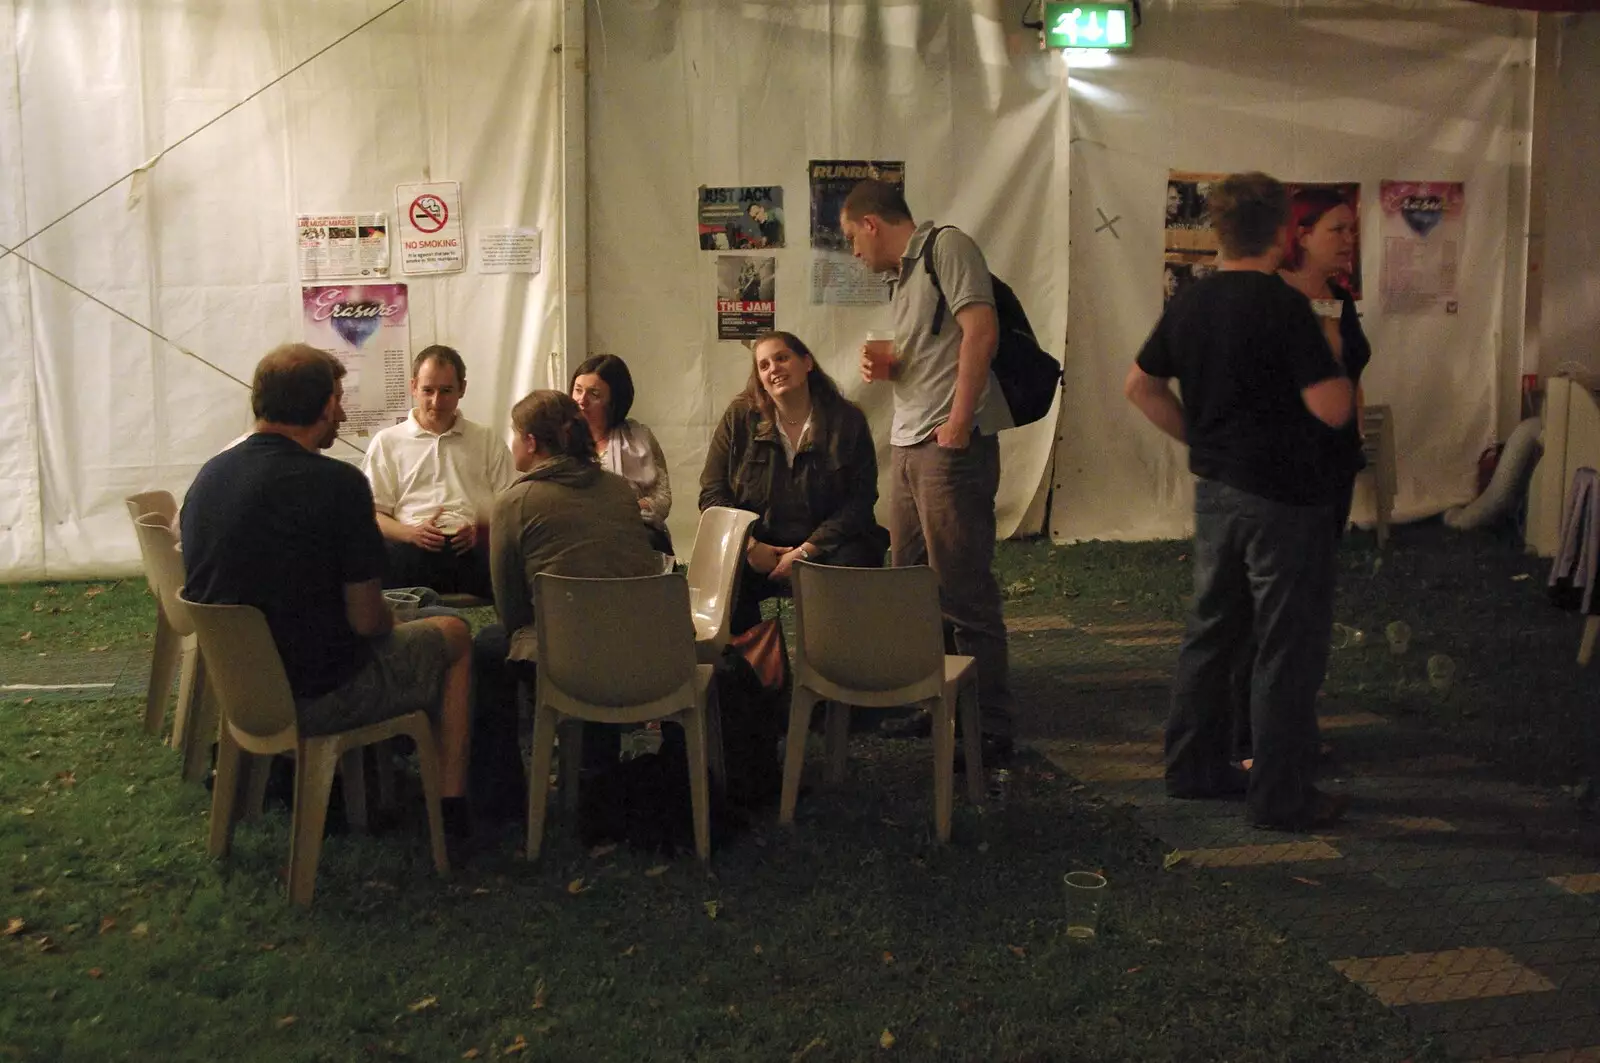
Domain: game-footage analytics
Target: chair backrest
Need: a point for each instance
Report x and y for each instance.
(869, 629)
(614, 643)
(714, 567)
(163, 568)
(243, 668)
(159, 502)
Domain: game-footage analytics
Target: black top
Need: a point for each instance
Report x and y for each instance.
(1357, 353)
(1243, 345)
(270, 524)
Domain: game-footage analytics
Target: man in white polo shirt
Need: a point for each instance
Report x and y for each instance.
(434, 477)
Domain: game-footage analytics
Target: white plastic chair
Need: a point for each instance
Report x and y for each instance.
(645, 670)
(714, 569)
(258, 718)
(194, 720)
(169, 645)
(873, 637)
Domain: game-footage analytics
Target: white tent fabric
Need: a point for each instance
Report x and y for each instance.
(201, 250)
(1570, 323)
(726, 93)
(1307, 92)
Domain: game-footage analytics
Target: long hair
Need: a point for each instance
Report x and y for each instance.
(614, 371)
(824, 392)
(556, 425)
(1306, 208)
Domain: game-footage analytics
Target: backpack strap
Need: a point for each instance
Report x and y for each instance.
(933, 275)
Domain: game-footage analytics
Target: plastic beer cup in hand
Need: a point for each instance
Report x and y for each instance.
(404, 604)
(880, 353)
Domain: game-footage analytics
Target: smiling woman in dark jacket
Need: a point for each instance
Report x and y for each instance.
(794, 451)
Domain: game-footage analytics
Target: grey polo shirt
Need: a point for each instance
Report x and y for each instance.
(926, 385)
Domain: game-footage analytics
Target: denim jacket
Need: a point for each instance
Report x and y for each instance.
(835, 470)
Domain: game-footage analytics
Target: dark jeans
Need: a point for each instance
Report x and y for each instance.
(754, 588)
(443, 570)
(499, 784)
(1263, 570)
(941, 514)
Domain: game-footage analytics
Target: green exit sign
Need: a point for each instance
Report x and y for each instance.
(1068, 25)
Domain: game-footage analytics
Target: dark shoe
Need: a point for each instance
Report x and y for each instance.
(998, 751)
(1233, 782)
(916, 725)
(1323, 810)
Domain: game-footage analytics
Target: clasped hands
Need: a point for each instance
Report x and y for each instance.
(773, 562)
(431, 537)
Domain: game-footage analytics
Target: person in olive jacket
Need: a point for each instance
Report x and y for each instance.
(797, 453)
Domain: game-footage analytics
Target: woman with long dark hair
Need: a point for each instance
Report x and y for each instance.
(603, 389)
(794, 451)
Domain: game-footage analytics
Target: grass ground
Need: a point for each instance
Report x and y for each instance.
(851, 937)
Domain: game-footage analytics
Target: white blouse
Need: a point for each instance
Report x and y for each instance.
(631, 451)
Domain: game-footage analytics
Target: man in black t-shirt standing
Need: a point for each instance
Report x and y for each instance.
(1261, 397)
(272, 523)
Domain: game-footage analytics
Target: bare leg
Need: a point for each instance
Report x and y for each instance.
(455, 708)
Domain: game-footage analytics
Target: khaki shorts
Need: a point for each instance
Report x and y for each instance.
(405, 674)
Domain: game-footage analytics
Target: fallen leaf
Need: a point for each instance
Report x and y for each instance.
(73, 928)
(630, 950)
(983, 847)
(815, 1042)
(27, 636)
(67, 778)
(1018, 951)
(33, 754)
(140, 930)
(601, 850)
(15, 926)
(1133, 970)
(576, 886)
(25, 812)
(44, 944)
(422, 1005)
(888, 958)
(480, 892)
(94, 592)
(886, 1040)
(107, 924)
(268, 946)
(1174, 859)
(29, 701)
(757, 950)
(471, 1053)
(285, 1022)
(538, 995)
(712, 908)
(1306, 881)
(657, 871)
(95, 972)
(519, 1045)
(1519, 576)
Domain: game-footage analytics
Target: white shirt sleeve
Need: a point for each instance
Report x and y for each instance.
(502, 471)
(381, 472)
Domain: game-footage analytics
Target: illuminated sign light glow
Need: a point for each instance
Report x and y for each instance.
(1069, 25)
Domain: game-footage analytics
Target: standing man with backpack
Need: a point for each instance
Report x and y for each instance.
(948, 411)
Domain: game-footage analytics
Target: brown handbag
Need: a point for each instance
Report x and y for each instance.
(762, 646)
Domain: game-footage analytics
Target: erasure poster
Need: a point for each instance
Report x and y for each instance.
(368, 328)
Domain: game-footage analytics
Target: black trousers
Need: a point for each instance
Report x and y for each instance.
(443, 570)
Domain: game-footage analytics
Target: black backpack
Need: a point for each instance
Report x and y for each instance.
(1028, 376)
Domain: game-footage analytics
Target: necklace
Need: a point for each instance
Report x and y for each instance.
(796, 421)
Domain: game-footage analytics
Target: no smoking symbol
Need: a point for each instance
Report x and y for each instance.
(429, 213)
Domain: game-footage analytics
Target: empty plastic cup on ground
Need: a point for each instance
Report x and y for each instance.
(404, 604)
(1399, 636)
(1441, 671)
(1086, 891)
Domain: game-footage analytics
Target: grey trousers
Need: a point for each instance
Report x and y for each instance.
(941, 514)
(1262, 570)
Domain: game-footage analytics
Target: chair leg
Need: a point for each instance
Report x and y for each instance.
(1591, 629)
(944, 766)
(794, 756)
(258, 772)
(694, 735)
(837, 741)
(971, 736)
(200, 722)
(163, 667)
(189, 661)
(544, 740)
(225, 795)
(352, 768)
(313, 783)
(428, 766)
(571, 732)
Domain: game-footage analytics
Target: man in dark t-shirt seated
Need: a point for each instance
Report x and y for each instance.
(273, 523)
(1261, 397)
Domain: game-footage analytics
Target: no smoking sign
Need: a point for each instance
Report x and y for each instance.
(432, 240)
(429, 213)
